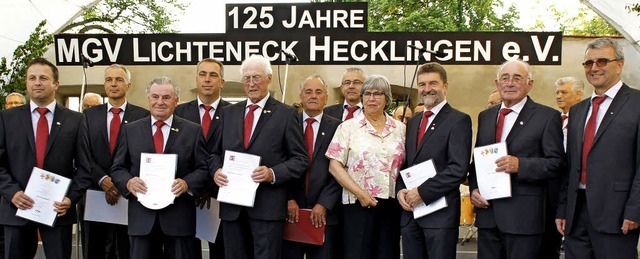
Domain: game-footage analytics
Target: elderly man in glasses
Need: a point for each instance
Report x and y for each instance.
(599, 208)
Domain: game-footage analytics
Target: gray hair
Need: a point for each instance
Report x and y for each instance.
(354, 70)
(259, 60)
(24, 99)
(89, 94)
(126, 71)
(161, 81)
(311, 77)
(601, 43)
(377, 82)
(526, 65)
(211, 60)
(578, 85)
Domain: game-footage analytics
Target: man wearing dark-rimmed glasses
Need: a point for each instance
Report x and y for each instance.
(599, 207)
(350, 86)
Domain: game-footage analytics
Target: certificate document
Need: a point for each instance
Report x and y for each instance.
(44, 188)
(97, 209)
(241, 189)
(208, 221)
(416, 175)
(158, 171)
(491, 184)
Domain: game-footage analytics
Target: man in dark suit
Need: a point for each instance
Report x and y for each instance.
(350, 86)
(599, 208)
(41, 134)
(568, 92)
(104, 240)
(512, 227)
(271, 131)
(443, 134)
(317, 190)
(166, 232)
(205, 110)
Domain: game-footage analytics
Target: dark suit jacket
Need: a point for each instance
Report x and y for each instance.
(448, 142)
(67, 155)
(323, 188)
(613, 165)
(335, 110)
(99, 139)
(277, 139)
(191, 112)
(185, 140)
(536, 140)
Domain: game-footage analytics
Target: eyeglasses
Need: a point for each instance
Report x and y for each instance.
(354, 82)
(255, 78)
(601, 62)
(376, 95)
(516, 79)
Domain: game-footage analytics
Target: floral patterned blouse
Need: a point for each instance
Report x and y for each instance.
(372, 160)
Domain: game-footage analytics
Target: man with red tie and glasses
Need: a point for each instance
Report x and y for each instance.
(265, 127)
(165, 232)
(599, 207)
(46, 135)
(350, 86)
(512, 227)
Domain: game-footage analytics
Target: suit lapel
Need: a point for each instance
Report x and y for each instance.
(174, 130)
(320, 136)
(525, 114)
(412, 136)
(58, 120)
(440, 117)
(28, 126)
(129, 114)
(264, 117)
(616, 105)
(102, 124)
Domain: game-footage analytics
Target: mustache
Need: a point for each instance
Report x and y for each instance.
(432, 92)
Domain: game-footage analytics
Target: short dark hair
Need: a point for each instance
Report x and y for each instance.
(433, 67)
(44, 61)
(212, 60)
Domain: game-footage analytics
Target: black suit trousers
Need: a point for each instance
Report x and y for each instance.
(418, 242)
(252, 238)
(371, 233)
(584, 242)
(22, 241)
(495, 244)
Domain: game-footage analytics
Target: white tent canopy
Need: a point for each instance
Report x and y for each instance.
(615, 13)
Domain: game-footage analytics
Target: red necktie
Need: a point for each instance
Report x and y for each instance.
(248, 125)
(308, 141)
(503, 113)
(206, 120)
(351, 111)
(589, 133)
(158, 137)
(423, 126)
(42, 136)
(564, 117)
(114, 128)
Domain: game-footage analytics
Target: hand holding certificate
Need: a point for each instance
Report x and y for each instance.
(491, 184)
(240, 188)
(44, 188)
(416, 175)
(158, 171)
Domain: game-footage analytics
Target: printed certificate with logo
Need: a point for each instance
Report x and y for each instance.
(44, 188)
(158, 171)
(241, 189)
(416, 175)
(491, 184)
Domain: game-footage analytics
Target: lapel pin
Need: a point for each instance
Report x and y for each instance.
(611, 113)
(322, 133)
(175, 129)
(58, 123)
(126, 121)
(521, 123)
(433, 128)
(266, 111)
(217, 118)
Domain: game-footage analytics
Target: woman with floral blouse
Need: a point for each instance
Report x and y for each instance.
(366, 154)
